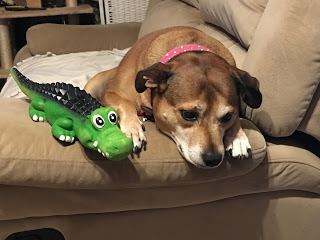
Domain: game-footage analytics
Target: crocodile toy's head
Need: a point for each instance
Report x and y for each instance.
(107, 136)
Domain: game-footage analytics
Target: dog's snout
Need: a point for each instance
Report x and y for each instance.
(212, 159)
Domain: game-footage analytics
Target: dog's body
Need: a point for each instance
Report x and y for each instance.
(194, 96)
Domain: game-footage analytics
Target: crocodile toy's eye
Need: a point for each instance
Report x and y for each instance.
(113, 117)
(98, 121)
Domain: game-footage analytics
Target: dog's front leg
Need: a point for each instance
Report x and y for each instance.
(129, 122)
(236, 142)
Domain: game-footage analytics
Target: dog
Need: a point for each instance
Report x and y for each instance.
(191, 84)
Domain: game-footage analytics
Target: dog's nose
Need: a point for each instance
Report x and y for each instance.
(212, 159)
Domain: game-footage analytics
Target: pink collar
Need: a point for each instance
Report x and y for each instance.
(185, 48)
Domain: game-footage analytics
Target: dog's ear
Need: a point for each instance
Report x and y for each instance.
(248, 88)
(155, 76)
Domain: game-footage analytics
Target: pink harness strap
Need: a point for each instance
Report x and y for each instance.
(185, 48)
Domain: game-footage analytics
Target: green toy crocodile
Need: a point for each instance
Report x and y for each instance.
(74, 113)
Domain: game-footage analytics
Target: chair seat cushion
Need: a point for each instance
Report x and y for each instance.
(31, 156)
(53, 179)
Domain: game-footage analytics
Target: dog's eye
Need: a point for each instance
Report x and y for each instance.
(189, 115)
(226, 118)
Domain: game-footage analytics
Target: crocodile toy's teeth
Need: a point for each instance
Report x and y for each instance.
(95, 144)
(62, 138)
(66, 139)
(106, 155)
(35, 118)
(41, 119)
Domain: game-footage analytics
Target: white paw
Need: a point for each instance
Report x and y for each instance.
(238, 146)
(134, 130)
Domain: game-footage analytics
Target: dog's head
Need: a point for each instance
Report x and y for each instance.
(195, 100)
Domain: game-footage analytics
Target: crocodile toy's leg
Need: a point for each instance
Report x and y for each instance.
(36, 110)
(62, 129)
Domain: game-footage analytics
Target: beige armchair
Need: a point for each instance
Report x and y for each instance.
(275, 194)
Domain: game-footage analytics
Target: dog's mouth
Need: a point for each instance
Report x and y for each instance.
(180, 149)
(197, 159)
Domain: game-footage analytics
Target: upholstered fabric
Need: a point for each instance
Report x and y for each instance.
(168, 14)
(193, 3)
(163, 14)
(47, 163)
(238, 52)
(85, 182)
(284, 168)
(23, 53)
(272, 216)
(310, 124)
(159, 195)
(284, 56)
(240, 18)
(45, 38)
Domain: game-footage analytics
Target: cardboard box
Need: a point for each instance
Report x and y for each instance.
(34, 3)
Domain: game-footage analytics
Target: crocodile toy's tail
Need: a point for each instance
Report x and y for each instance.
(73, 98)
(24, 83)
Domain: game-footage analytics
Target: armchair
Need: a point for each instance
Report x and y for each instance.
(275, 194)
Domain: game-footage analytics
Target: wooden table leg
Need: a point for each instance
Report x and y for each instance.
(72, 19)
(5, 44)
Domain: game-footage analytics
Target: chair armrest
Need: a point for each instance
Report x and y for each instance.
(22, 54)
(62, 39)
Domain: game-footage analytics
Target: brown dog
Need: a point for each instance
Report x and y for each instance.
(194, 96)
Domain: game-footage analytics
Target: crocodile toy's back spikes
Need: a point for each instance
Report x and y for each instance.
(73, 98)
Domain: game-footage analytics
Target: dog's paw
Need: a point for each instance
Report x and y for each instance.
(135, 131)
(238, 146)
